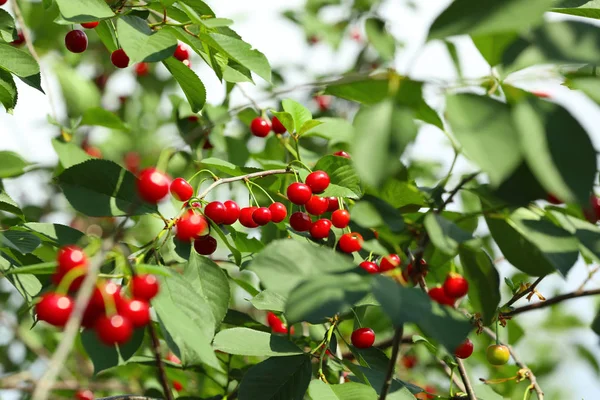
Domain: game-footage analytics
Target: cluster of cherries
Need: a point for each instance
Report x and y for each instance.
(110, 313)
(496, 354)
(455, 286)
(276, 324)
(261, 127)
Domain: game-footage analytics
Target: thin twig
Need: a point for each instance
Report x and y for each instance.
(162, 375)
(246, 95)
(552, 301)
(17, 382)
(459, 384)
(591, 274)
(259, 174)
(465, 379)
(389, 376)
(525, 292)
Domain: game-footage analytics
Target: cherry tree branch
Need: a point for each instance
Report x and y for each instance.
(162, 375)
(260, 174)
(552, 301)
(457, 381)
(463, 375)
(525, 292)
(389, 376)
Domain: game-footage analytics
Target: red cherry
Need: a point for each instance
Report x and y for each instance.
(455, 286)
(132, 161)
(389, 262)
(3, 2)
(142, 69)
(260, 127)
(20, 39)
(342, 153)
(262, 216)
(119, 58)
(464, 350)
(93, 151)
(323, 102)
(369, 266)
(300, 221)
(90, 25)
(553, 199)
(152, 185)
(181, 189)
(84, 395)
(409, 361)
(593, 215)
(232, 212)
(273, 319)
(279, 328)
(334, 204)
(340, 218)
(438, 295)
(68, 258)
(177, 386)
(181, 52)
(320, 229)
(278, 212)
(137, 311)
(246, 217)
(91, 315)
(103, 290)
(277, 126)
(144, 287)
(363, 338)
(54, 308)
(318, 181)
(76, 41)
(351, 242)
(299, 193)
(116, 329)
(205, 245)
(190, 226)
(216, 211)
(317, 205)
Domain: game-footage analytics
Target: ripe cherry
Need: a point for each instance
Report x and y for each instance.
(216, 211)
(409, 361)
(278, 212)
(119, 58)
(389, 262)
(152, 185)
(142, 69)
(181, 189)
(103, 290)
(552, 199)
(317, 205)
(455, 285)
(90, 25)
(93, 151)
(76, 41)
(20, 39)
(232, 212)
(3, 2)
(318, 181)
(323, 102)
(272, 319)
(363, 338)
(177, 386)
(342, 153)
(351, 242)
(497, 354)
(54, 308)
(369, 266)
(205, 245)
(116, 329)
(276, 324)
(144, 287)
(84, 395)
(190, 226)
(340, 218)
(137, 311)
(91, 315)
(246, 217)
(320, 229)
(300, 221)
(262, 216)
(334, 204)
(68, 258)
(299, 193)
(464, 350)
(181, 52)
(260, 127)
(438, 295)
(277, 126)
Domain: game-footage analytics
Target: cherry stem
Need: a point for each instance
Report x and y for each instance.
(216, 178)
(252, 197)
(67, 280)
(259, 174)
(301, 163)
(109, 303)
(263, 189)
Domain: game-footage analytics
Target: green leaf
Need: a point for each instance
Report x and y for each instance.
(492, 46)
(69, 154)
(369, 91)
(80, 93)
(344, 181)
(20, 63)
(485, 392)
(100, 188)
(285, 118)
(404, 305)
(401, 194)
(410, 94)
(299, 113)
(565, 165)
(380, 38)
(269, 300)
(188, 319)
(336, 130)
(227, 167)
(588, 234)
(192, 86)
(101, 117)
(485, 129)
(324, 296)
(596, 324)
(588, 85)
(533, 244)
(107, 35)
(278, 378)
(8, 91)
(7, 27)
(84, 10)
(23, 242)
(372, 212)
(141, 43)
(56, 234)
(399, 390)
(580, 8)
(104, 357)
(210, 282)
(589, 357)
(284, 263)
(484, 281)
(308, 125)
(484, 17)
(319, 390)
(384, 129)
(445, 235)
(9, 205)
(249, 342)
(11, 164)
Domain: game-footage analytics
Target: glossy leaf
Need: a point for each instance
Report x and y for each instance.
(8, 91)
(104, 357)
(269, 300)
(319, 390)
(344, 178)
(141, 43)
(11, 164)
(192, 86)
(69, 154)
(380, 38)
(102, 117)
(249, 342)
(444, 234)
(298, 112)
(484, 281)
(9, 205)
(84, 10)
(580, 8)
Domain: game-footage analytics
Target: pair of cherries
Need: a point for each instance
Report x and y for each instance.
(260, 127)
(496, 354)
(277, 325)
(455, 286)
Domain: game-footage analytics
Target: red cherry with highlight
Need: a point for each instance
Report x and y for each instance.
(278, 212)
(246, 217)
(181, 189)
(137, 311)
(54, 308)
(177, 386)
(455, 286)
(351, 242)
(320, 229)
(262, 216)
(363, 338)
(205, 245)
(438, 295)
(318, 181)
(142, 69)
(299, 193)
(68, 258)
(181, 52)
(90, 25)
(464, 350)
(105, 289)
(190, 226)
(277, 126)
(116, 329)
(300, 221)
(76, 41)
(340, 218)
(84, 395)
(317, 205)
(273, 319)
(369, 266)
(119, 58)
(152, 185)
(216, 211)
(260, 127)
(232, 212)
(342, 153)
(334, 204)
(144, 287)
(389, 262)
